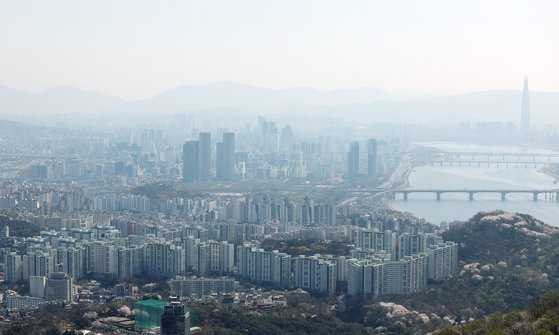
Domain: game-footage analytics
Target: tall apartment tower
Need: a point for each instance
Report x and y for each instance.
(372, 158)
(13, 267)
(205, 156)
(353, 161)
(525, 112)
(190, 161)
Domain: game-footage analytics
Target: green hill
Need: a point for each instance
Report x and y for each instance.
(507, 261)
(541, 318)
(517, 239)
(18, 227)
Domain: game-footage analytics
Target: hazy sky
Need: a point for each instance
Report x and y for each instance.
(136, 49)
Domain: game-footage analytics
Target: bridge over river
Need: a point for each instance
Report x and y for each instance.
(553, 193)
(487, 163)
(502, 155)
(494, 159)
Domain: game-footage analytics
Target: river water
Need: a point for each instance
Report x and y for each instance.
(458, 207)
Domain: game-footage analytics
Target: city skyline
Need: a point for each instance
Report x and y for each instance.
(279, 168)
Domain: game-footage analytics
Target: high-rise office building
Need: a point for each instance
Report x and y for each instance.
(219, 161)
(372, 158)
(287, 138)
(228, 156)
(190, 161)
(353, 160)
(174, 321)
(37, 285)
(205, 156)
(525, 112)
(225, 157)
(59, 287)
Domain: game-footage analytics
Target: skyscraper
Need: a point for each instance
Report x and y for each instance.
(372, 158)
(525, 113)
(353, 160)
(219, 161)
(228, 156)
(286, 140)
(225, 157)
(205, 156)
(190, 161)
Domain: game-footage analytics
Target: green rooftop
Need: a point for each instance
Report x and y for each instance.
(147, 313)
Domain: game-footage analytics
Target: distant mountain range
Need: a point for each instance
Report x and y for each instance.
(225, 97)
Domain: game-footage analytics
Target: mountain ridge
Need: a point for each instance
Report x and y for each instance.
(367, 104)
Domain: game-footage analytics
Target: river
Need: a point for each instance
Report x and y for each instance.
(458, 207)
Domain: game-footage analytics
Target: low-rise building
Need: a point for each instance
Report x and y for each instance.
(184, 287)
(21, 302)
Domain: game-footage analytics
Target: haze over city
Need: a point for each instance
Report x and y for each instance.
(293, 167)
(136, 50)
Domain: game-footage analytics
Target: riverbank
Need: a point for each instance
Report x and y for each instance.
(551, 172)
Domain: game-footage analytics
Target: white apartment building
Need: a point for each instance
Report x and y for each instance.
(315, 274)
(376, 276)
(443, 260)
(370, 239)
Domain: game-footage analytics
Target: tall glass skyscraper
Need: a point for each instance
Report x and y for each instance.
(353, 160)
(525, 113)
(372, 158)
(205, 156)
(229, 156)
(190, 161)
